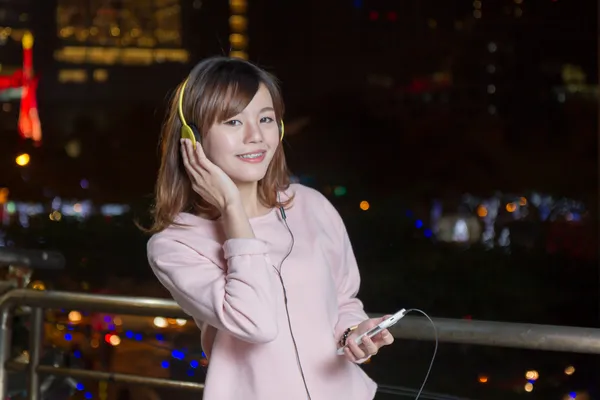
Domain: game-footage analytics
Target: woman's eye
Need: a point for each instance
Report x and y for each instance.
(233, 122)
(266, 119)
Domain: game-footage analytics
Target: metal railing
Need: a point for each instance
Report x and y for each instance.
(486, 333)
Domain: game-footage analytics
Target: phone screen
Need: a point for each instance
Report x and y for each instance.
(373, 331)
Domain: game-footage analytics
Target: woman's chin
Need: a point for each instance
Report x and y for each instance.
(247, 179)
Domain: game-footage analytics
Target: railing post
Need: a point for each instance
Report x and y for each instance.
(5, 336)
(36, 338)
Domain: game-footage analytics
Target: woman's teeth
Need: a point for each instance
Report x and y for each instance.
(253, 155)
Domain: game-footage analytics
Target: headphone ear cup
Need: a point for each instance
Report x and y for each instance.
(196, 133)
(188, 133)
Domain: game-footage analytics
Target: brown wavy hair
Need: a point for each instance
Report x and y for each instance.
(218, 88)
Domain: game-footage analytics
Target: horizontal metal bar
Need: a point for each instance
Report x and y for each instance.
(485, 333)
(93, 302)
(6, 286)
(181, 385)
(412, 393)
(501, 334)
(110, 376)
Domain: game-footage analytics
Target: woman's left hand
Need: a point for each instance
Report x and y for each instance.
(369, 346)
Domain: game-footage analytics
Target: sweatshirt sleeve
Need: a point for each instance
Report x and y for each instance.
(240, 300)
(347, 279)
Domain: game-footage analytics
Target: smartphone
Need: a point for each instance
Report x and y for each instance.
(385, 324)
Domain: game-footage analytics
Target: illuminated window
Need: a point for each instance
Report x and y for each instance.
(75, 55)
(100, 75)
(238, 6)
(120, 23)
(172, 55)
(238, 41)
(72, 75)
(168, 24)
(12, 33)
(238, 23)
(238, 54)
(116, 55)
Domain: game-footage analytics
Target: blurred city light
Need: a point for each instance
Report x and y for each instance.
(570, 370)
(74, 317)
(532, 375)
(160, 322)
(22, 160)
(339, 191)
(4, 195)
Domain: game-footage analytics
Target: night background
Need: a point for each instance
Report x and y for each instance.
(458, 139)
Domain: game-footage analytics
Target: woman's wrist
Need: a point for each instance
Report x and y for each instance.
(236, 223)
(345, 335)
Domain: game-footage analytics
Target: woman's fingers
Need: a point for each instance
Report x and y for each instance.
(208, 180)
(369, 346)
(190, 160)
(355, 349)
(387, 338)
(200, 157)
(186, 162)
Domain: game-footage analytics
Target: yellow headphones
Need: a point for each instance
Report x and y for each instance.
(190, 131)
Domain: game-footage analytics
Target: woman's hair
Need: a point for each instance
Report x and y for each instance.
(218, 88)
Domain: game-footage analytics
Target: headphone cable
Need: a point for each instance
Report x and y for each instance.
(285, 298)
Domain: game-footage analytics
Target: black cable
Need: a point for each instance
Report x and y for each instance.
(434, 349)
(285, 299)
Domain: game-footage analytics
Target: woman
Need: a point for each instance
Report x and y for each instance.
(265, 268)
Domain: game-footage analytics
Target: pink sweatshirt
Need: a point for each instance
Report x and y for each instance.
(233, 291)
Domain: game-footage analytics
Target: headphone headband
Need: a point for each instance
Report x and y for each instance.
(187, 131)
(180, 102)
(190, 131)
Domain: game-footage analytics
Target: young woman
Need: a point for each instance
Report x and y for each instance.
(265, 268)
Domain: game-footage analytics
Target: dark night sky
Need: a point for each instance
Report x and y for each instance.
(323, 53)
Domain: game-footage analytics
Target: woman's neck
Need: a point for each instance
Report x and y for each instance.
(250, 201)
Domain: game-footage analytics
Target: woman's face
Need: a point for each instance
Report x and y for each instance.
(243, 146)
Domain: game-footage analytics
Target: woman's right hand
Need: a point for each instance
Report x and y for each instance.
(208, 180)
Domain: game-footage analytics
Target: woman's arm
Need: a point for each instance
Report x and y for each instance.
(240, 300)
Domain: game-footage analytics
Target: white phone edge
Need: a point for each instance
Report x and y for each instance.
(391, 321)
